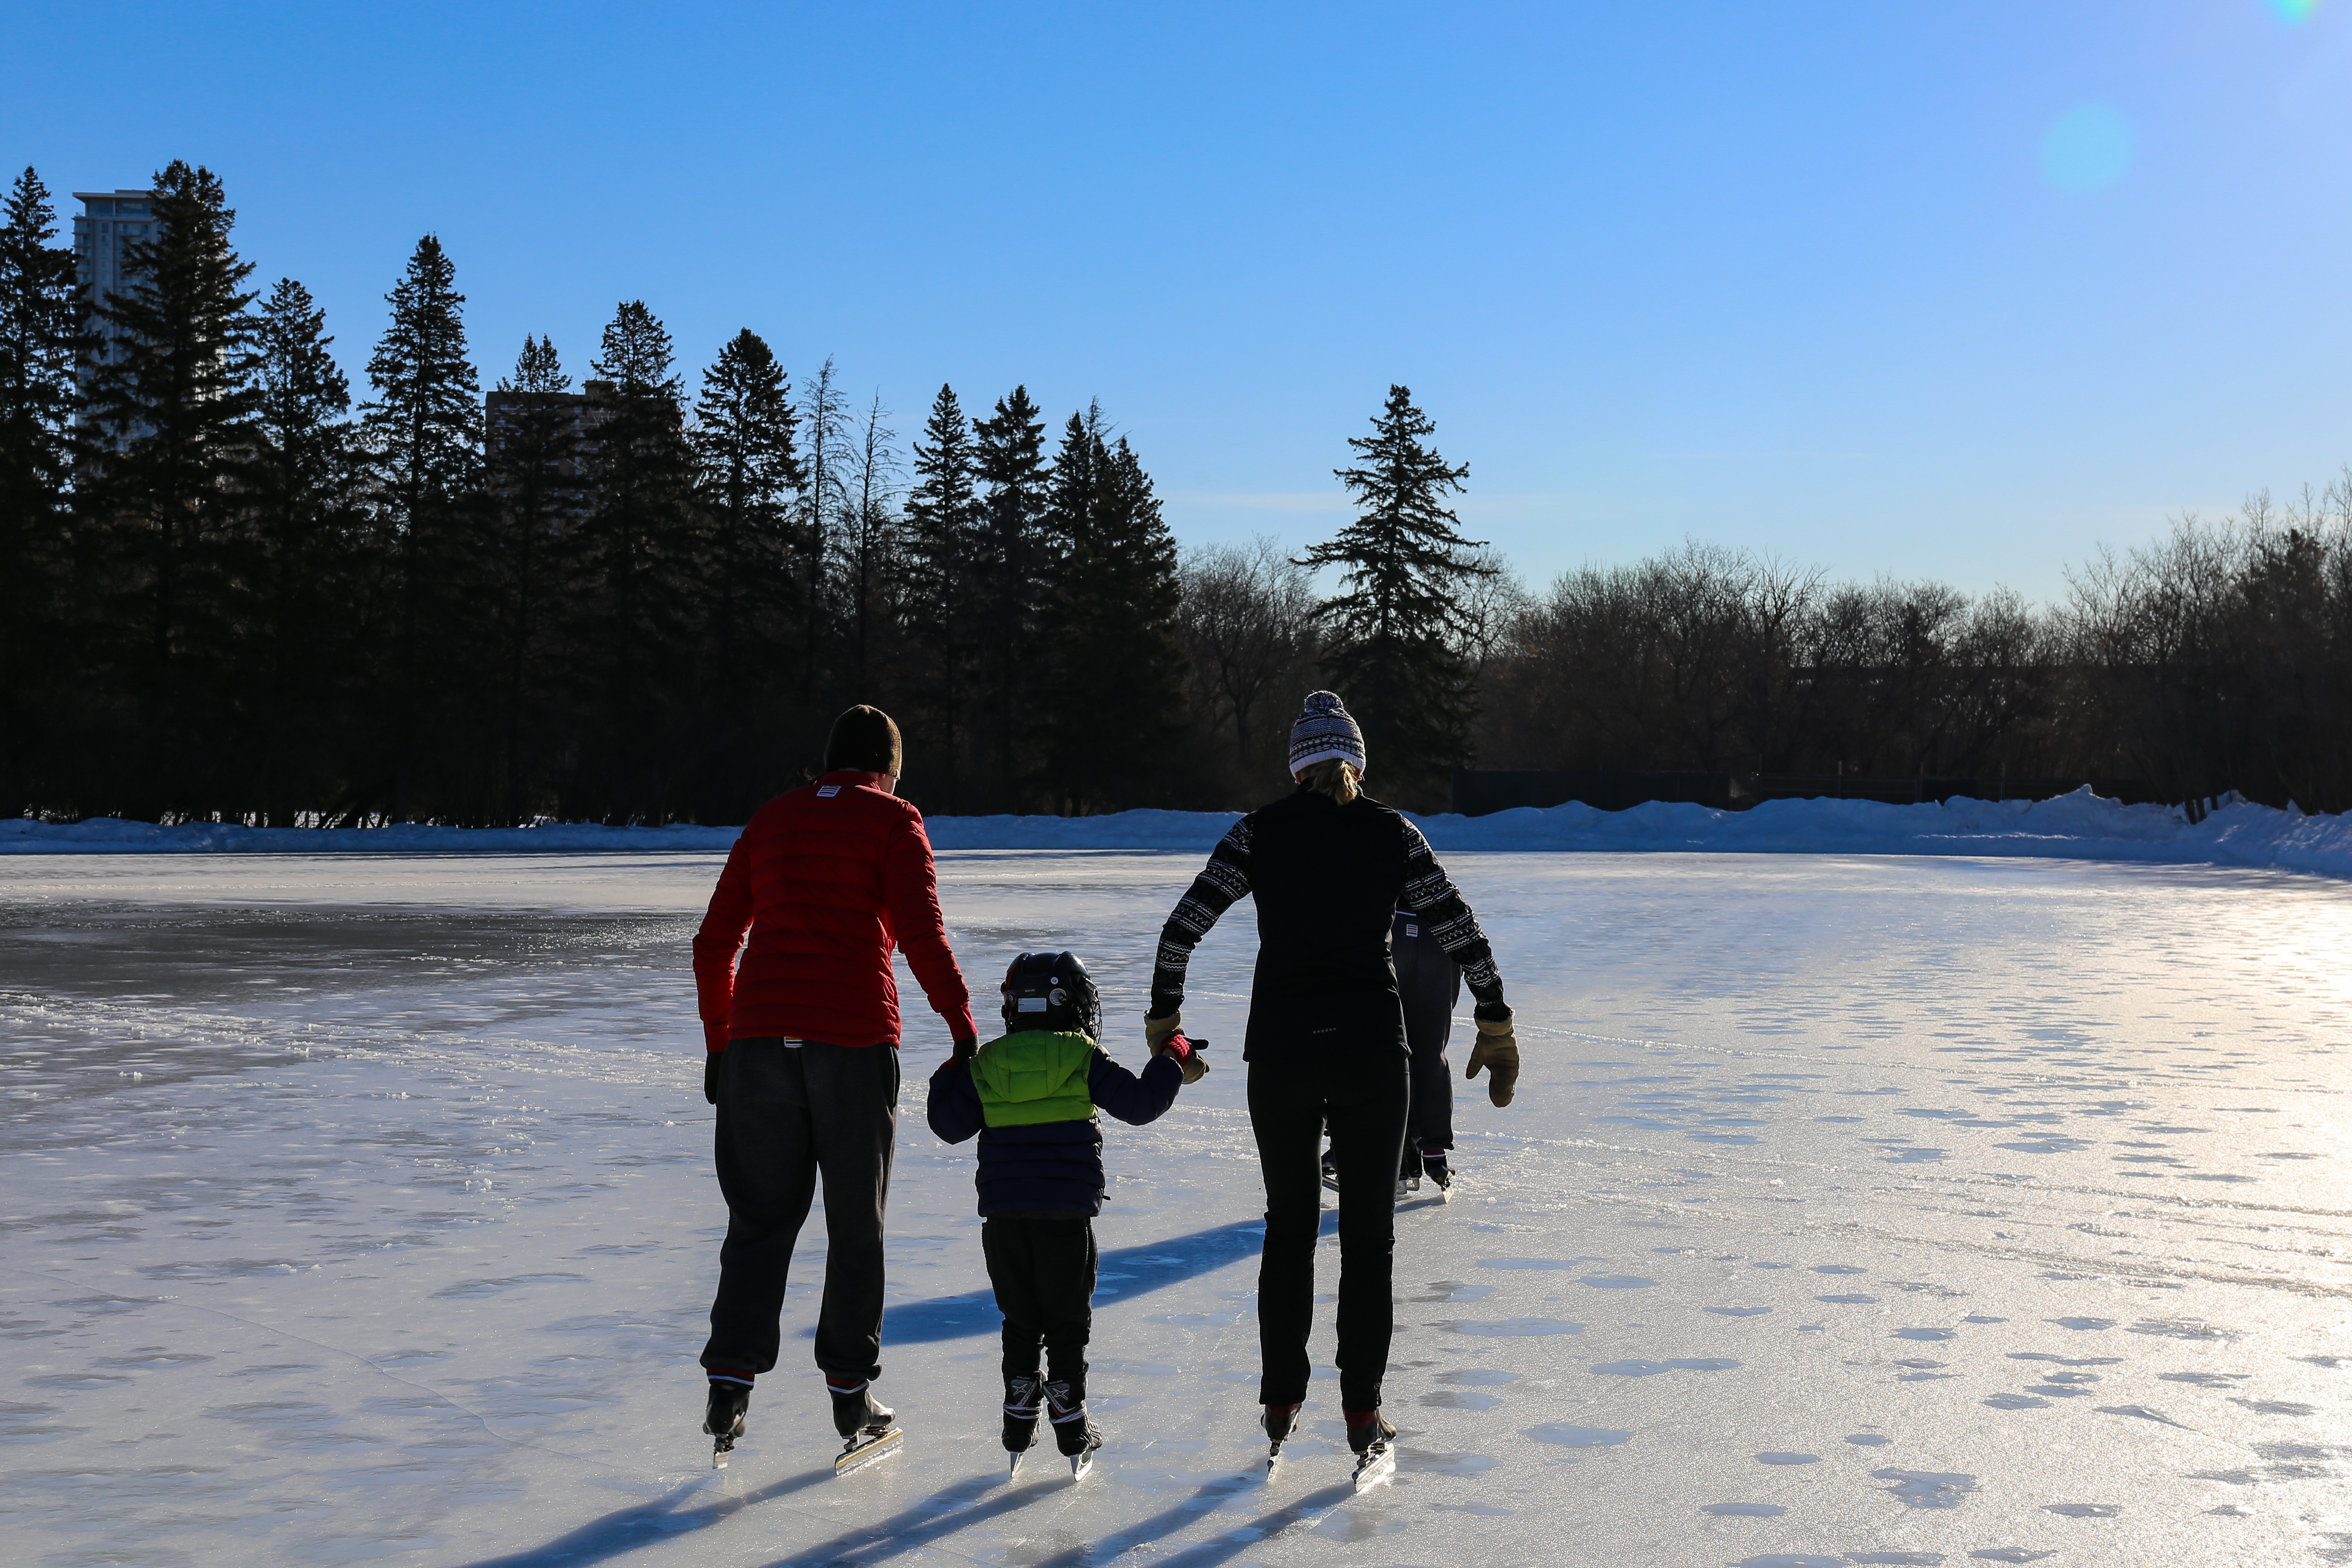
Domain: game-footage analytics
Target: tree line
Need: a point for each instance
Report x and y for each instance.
(234, 586)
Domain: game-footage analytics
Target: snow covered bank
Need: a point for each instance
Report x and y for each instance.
(2072, 825)
(2081, 826)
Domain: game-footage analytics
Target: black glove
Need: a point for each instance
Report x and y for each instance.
(965, 1046)
(710, 1075)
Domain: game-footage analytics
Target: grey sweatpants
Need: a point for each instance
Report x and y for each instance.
(1430, 983)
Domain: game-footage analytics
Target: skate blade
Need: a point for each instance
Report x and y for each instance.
(718, 1452)
(1013, 1472)
(1377, 1466)
(875, 1445)
(1080, 1465)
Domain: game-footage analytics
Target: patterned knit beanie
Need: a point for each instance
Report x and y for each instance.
(1325, 732)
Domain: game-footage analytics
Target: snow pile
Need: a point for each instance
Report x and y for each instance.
(2081, 826)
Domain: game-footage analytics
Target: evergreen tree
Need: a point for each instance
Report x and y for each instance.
(748, 470)
(1393, 642)
(40, 342)
(943, 517)
(1114, 634)
(531, 449)
(301, 484)
(1010, 567)
(171, 409)
(640, 471)
(423, 434)
(826, 415)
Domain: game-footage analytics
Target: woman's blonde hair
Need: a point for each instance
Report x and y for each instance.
(1334, 776)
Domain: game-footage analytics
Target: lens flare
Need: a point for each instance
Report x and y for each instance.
(2087, 149)
(2294, 12)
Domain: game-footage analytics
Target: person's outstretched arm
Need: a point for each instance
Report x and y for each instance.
(1223, 880)
(723, 925)
(953, 1104)
(910, 886)
(1134, 1098)
(1447, 916)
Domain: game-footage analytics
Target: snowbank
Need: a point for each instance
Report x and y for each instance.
(2081, 826)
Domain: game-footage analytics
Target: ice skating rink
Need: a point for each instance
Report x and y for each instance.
(1853, 1210)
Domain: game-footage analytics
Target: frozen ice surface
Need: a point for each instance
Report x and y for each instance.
(1853, 1210)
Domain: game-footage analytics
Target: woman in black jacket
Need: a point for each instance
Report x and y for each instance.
(1329, 865)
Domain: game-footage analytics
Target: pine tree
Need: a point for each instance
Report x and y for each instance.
(640, 472)
(170, 407)
(1117, 595)
(40, 342)
(748, 469)
(531, 451)
(1391, 645)
(942, 519)
(1011, 559)
(301, 483)
(423, 434)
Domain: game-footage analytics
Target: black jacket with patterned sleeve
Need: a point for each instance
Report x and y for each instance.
(1326, 878)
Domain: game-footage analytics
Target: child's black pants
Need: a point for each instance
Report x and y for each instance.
(1042, 1263)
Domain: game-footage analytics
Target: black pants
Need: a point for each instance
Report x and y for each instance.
(786, 1114)
(1430, 983)
(1361, 1095)
(1043, 1267)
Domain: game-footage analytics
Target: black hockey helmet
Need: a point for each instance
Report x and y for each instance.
(1052, 991)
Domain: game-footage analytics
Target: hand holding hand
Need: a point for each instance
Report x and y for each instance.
(1156, 1030)
(966, 1047)
(1497, 1048)
(1187, 1053)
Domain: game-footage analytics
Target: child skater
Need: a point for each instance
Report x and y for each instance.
(1032, 1095)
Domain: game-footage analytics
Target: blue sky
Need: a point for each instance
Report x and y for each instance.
(1946, 291)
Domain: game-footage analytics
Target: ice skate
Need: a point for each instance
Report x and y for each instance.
(1409, 1176)
(1074, 1433)
(1281, 1421)
(729, 1401)
(1331, 1172)
(1023, 1397)
(1373, 1440)
(864, 1423)
(1437, 1170)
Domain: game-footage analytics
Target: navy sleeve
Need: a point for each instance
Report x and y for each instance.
(952, 1105)
(1134, 1098)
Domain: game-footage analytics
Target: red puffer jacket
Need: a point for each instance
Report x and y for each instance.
(827, 880)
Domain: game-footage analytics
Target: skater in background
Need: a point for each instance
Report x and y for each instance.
(1428, 983)
(802, 1058)
(1330, 865)
(1032, 1094)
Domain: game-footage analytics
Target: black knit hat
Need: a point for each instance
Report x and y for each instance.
(865, 739)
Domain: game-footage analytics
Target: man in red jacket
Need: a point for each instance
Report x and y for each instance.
(801, 1058)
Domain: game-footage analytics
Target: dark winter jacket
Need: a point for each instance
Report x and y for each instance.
(1031, 1097)
(827, 880)
(1328, 879)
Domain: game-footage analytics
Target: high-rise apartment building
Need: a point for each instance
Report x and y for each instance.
(108, 224)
